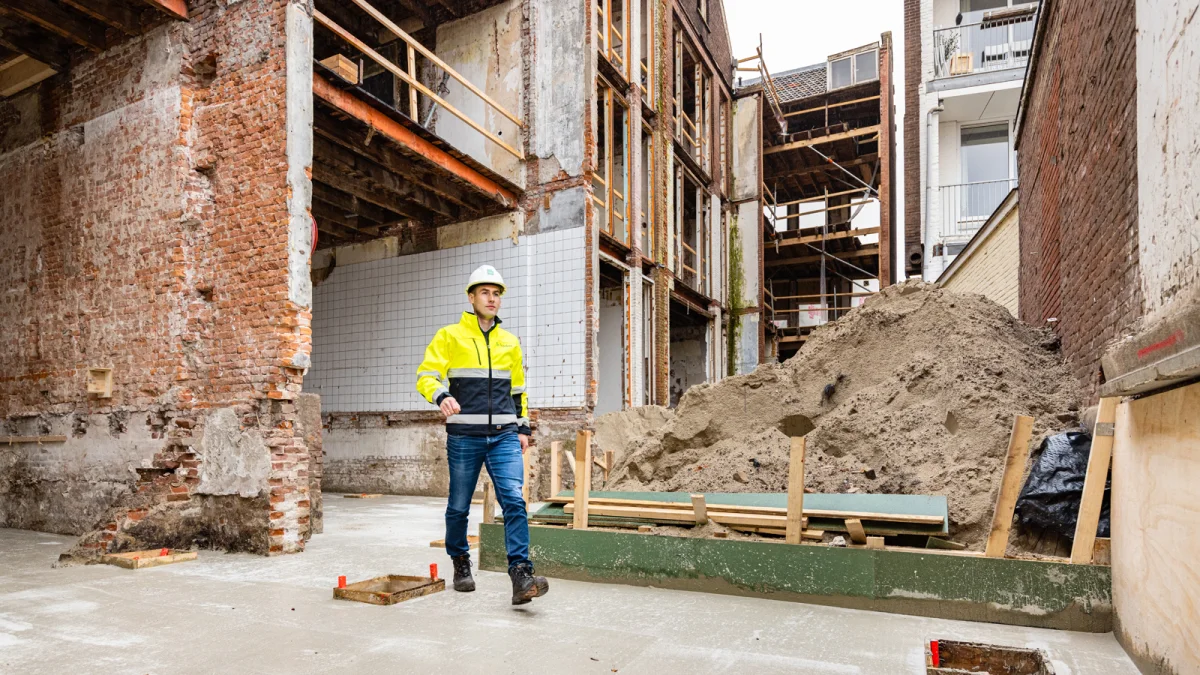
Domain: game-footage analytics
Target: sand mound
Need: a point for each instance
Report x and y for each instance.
(925, 387)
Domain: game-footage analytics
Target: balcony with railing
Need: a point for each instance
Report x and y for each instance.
(966, 207)
(1002, 40)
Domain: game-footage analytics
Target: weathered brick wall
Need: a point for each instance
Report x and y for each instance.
(1078, 190)
(148, 232)
(912, 136)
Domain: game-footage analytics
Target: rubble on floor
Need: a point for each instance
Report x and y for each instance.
(913, 393)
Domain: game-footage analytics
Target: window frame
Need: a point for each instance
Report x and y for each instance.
(603, 174)
(853, 59)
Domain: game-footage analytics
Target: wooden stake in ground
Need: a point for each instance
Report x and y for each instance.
(1010, 486)
(489, 515)
(583, 478)
(700, 509)
(555, 468)
(795, 494)
(1082, 547)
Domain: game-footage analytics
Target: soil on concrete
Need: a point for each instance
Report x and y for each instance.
(915, 392)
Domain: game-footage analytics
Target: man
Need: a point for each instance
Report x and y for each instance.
(473, 371)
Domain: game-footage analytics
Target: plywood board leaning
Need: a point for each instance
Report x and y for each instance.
(1010, 485)
(1082, 547)
(795, 498)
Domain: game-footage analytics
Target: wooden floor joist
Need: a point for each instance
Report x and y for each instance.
(853, 133)
(385, 126)
(864, 252)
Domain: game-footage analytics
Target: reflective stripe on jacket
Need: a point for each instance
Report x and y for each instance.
(484, 372)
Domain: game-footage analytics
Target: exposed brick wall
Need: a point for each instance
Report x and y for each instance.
(887, 163)
(1078, 188)
(148, 232)
(912, 136)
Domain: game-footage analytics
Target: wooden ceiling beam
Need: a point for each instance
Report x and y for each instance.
(325, 150)
(31, 41)
(338, 178)
(384, 153)
(864, 252)
(66, 23)
(355, 224)
(115, 13)
(351, 204)
(176, 9)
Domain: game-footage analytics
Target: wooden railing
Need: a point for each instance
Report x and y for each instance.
(409, 75)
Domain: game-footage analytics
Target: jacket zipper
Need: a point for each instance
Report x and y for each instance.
(488, 340)
(478, 360)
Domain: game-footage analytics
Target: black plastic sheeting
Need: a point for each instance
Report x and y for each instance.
(1051, 496)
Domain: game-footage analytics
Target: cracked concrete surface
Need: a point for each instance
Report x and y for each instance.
(239, 613)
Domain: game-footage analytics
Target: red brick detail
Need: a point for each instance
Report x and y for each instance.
(1077, 152)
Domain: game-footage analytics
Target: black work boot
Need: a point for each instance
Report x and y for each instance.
(463, 582)
(526, 586)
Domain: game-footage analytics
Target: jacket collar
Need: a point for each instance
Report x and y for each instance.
(469, 320)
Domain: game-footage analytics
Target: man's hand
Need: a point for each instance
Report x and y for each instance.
(450, 407)
(524, 442)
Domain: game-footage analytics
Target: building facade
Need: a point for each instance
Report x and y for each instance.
(269, 199)
(964, 64)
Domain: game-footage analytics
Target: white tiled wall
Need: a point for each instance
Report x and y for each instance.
(372, 321)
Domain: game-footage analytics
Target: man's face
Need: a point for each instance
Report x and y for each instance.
(485, 299)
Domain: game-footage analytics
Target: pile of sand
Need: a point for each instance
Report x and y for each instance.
(926, 386)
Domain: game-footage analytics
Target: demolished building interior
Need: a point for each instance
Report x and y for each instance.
(234, 226)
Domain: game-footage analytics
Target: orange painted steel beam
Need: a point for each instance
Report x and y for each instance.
(382, 124)
(176, 9)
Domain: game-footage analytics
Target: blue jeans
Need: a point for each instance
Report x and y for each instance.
(502, 456)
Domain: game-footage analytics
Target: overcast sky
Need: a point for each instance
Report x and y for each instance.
(803, 32)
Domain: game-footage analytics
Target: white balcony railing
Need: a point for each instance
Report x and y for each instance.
(967, 206)
(996, 44)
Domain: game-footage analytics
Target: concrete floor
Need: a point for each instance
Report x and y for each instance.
(247, 614)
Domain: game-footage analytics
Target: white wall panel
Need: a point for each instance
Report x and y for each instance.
(372, 321)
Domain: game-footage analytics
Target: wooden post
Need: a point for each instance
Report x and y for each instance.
(857, 534)
(700, 509)
(489, 515)
(1010, 486)
(583, 478)
(608, 463)
(1082, 548)
(412, 91)
(555, 468)
(795, 494)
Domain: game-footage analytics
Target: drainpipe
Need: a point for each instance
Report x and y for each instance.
(930, 148)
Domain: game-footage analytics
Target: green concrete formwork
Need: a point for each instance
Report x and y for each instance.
(1016, 592)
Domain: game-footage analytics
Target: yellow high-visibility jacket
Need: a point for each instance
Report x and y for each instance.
(484, 372)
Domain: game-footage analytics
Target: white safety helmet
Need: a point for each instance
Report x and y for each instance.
(486, 274)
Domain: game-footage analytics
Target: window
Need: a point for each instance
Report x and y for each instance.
(611, 30)
(690, 210)
(648, 201)
(646, 81)
(986, 168)
(692, 103)
(610, 180)
(841, 73)
(853, 69)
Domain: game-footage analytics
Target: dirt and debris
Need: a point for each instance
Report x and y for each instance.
(926, 384)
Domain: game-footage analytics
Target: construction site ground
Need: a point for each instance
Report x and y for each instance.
(240, 613)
